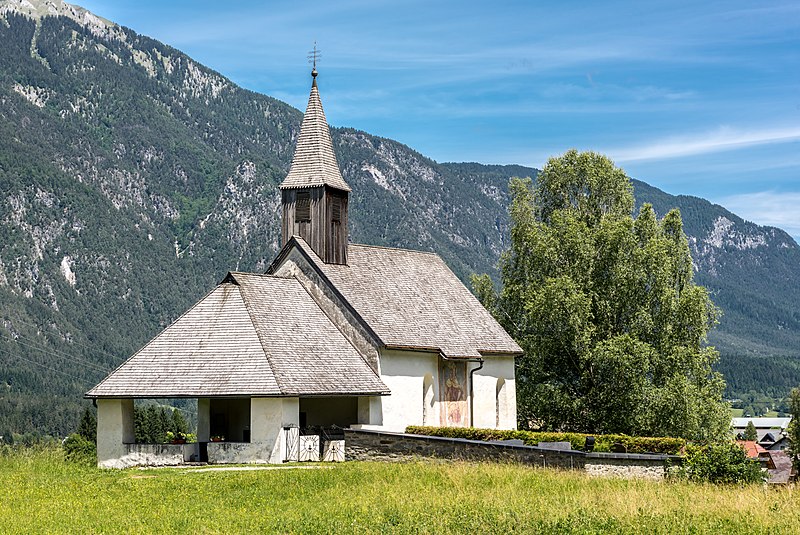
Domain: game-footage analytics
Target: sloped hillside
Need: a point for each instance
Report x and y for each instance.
(132, 179)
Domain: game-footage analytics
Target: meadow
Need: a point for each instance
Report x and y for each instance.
(42, 493)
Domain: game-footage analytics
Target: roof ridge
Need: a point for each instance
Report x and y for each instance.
(335, 326)
(318, 266)
(387, 247)
(256, 274)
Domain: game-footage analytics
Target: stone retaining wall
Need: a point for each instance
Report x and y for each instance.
(367, 445)
(629, 465)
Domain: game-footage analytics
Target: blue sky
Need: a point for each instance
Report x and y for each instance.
(696, 98)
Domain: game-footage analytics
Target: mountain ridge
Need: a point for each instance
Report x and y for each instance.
(133, 178)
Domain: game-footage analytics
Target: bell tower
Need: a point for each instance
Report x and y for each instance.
(314, 195)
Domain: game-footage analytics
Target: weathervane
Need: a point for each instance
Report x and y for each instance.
(313, 57)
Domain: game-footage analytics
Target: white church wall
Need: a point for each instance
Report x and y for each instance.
(114, 431)
(404, 372)
(413, 380)
(495, 400)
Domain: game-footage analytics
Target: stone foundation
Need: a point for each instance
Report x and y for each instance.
(628, 465)
(239, 453)
(148, 455)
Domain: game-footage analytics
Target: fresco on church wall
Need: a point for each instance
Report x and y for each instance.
(453, 391)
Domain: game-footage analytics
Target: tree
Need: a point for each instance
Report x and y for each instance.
(179, 423)
(164, 424)
(794, 428)
(604, 306)
(750, 432)
(87, 428)
(721, 463)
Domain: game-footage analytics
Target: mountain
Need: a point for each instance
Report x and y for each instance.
(133, 178)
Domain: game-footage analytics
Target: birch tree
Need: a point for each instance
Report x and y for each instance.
(605, 307)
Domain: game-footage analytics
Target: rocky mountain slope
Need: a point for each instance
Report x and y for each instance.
(132, 179)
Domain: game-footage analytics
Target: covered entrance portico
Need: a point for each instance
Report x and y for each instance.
(234, 430)
(229, 430)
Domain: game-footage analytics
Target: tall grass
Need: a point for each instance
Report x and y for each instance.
(42, 493)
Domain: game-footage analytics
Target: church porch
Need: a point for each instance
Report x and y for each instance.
(229, 430)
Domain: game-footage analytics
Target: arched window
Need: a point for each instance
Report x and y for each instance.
(427, 400)
(500, 402)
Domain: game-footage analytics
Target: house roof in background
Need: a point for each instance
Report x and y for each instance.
(253, 335)
(761, 423)
(752, 448)
(783, 467)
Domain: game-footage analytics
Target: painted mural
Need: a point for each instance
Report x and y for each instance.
(453, 391)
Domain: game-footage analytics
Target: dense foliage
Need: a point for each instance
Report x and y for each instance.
(155, 424)
(605, 443)
(79, 450)
(605, 308)
(758, 385)
(725, 462)
(794, 429)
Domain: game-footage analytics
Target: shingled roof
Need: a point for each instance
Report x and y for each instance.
(253, 335)
(411, 299)
(314, 162)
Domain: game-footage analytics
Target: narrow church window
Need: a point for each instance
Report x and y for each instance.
(336, 210)
(303, 206)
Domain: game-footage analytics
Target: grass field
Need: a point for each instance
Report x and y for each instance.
(43, 494)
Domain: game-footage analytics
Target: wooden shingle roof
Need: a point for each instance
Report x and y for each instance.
(253, 335)
(411, 299)
(314, 162)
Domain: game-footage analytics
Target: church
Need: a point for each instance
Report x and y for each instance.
(333, 335)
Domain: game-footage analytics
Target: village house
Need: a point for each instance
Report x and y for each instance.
(771, 433)
(333, 335)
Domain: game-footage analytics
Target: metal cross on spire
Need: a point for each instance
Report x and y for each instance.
(314, 56)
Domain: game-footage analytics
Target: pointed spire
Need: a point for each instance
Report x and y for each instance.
(314, 162)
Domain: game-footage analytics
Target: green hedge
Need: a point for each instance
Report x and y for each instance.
(665, 445)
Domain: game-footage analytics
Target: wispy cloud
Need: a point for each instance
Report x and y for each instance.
(722, 139)
(771, 208)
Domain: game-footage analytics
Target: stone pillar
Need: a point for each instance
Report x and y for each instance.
(370, 412)
(114, 430)
(268, 416)
(203, 420)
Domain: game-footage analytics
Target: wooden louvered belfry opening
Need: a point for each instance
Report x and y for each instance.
(319, 216)
(302, 211)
